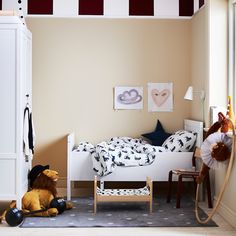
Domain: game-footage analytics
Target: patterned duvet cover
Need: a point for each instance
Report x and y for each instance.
(120, 151)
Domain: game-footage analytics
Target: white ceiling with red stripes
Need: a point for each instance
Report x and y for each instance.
(110, 8)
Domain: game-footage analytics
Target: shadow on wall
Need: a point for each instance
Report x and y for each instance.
(53, 154)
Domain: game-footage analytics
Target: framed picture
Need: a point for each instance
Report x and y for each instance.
(160, 97)
(128, 98)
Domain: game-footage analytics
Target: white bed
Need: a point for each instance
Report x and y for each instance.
(79, 164)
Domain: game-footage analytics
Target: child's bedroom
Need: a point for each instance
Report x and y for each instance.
(117, 117)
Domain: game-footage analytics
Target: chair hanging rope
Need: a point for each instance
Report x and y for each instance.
(222, 190)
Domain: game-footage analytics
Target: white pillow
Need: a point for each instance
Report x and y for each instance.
(180, 141)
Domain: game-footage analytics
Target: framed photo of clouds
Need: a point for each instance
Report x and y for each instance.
(128, 98)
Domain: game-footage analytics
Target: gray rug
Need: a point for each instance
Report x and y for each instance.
(122, 215)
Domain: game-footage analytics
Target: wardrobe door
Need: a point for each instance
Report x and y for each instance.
(25, 78)
(8, 91)
(8, 109)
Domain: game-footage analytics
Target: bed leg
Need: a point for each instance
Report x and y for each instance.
(151, 198)
(150, 185)
(68, 190)
(95, 195)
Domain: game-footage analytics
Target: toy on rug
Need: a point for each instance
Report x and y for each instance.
(43, 190)
(216, 148)
(41, 200)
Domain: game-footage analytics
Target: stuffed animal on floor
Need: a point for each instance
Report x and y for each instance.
(216, 148)
(42, 193)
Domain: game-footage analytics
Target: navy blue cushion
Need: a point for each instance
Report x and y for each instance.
(158, 136)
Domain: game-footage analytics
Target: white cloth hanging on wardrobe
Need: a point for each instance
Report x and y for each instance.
(28, 134)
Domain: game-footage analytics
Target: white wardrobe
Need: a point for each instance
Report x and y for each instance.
(15, 85)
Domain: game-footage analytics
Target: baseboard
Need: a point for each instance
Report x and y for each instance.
(81, 192)
(227, 213)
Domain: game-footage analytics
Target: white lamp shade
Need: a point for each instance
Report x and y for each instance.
(189, 94)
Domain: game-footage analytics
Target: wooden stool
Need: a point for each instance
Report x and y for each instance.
(182, 174)
(188, 174)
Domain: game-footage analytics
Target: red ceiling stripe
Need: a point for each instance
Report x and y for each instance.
(141, 7)
(90, 7)
(201, 3)
(186, 7)
(40, 7)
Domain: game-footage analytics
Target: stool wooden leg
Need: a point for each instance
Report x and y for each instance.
(179, 191)
(208, 187)
(169, 186)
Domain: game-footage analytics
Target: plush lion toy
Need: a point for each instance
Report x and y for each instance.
(42, 182)
(43, 190)
(216, 149)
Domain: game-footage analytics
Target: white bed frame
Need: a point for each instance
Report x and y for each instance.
(79, 164)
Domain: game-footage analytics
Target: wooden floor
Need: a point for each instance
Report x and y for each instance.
(224, 229)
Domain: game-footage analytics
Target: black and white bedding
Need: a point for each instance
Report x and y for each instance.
(126, 151)
(120, 151)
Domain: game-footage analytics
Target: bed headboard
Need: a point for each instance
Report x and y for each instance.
(197, 127)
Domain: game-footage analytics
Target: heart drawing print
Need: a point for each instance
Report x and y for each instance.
(160, 97)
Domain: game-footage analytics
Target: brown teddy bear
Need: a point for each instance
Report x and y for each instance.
(216, 148)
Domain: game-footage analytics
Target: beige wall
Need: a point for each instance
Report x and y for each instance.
(200, 63)
(218, 78)
(78, 62)
(209, 52)
(218, 47)
(209, 56)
